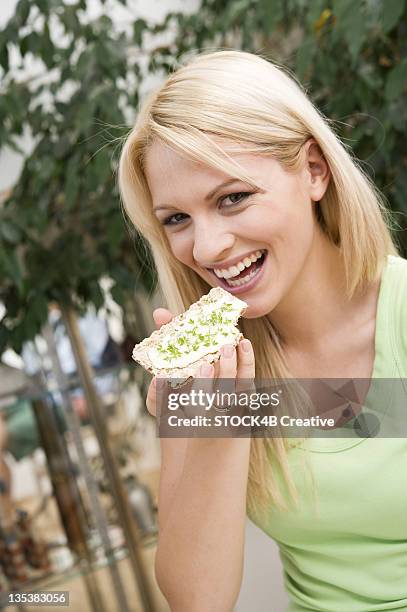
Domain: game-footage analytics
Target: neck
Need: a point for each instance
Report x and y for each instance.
(316, 304)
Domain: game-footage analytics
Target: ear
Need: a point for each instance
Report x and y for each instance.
(318, 170)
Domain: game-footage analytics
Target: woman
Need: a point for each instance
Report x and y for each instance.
(229, 158)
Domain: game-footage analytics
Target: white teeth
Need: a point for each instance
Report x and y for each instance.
(239, 267)
(242, 281)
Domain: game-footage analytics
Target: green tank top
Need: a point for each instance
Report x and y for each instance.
(344, 549)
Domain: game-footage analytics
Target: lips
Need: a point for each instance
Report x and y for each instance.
(234, 262)
(239, 266)
(259, 264)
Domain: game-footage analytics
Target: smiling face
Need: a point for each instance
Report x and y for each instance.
(214, 223)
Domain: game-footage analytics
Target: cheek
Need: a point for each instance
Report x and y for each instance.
(181, 247)
(271, 223)
(286, 220)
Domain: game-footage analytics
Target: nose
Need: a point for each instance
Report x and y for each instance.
(212, 242)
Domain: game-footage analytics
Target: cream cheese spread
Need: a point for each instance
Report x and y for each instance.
(198, 333)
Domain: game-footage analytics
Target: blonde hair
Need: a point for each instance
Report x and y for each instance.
(251, 103)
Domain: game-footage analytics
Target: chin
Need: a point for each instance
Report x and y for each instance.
(255, 311)
(254, 315)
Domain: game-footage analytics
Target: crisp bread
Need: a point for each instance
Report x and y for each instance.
(140, 351)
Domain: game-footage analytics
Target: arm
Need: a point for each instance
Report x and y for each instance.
(173, 452)
(199, 561)
(172, 449)
(202, 484)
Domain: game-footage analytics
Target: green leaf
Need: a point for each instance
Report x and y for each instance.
(22, 12)
(115, 230)
(85, 67)
(4, 56)
(234, 13)
(313, 12)
(44, 6)
(97, 296)
(10, 232)
(371, 76)
(47, 48)
(392, 10)
(397, 114)
(118, 295)
(24, 46)
(39, 308)
(72, 184)
(33, 42)
(304, 57)
(351, 23)
(271, 14)
(70, 20)
(13, 268)
(396, 81)
(84, 118)
(62, 147)
(139, 28)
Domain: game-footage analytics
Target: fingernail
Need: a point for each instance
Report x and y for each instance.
(246, 345)
(206, 369)
(227, 350)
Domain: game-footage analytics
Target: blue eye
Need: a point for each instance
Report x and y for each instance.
(167, 221)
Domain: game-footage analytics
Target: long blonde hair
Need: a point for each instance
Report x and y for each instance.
(246, 100)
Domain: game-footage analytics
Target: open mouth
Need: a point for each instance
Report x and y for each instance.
(245, 276)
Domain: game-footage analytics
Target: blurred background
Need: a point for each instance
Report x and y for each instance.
(79, 457)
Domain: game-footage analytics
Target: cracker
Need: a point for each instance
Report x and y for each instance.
(205, 305)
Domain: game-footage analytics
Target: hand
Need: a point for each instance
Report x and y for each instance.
(233, 373)
(161, 317)
(239, 366)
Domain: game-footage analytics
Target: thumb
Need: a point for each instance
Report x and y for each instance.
(162, 316)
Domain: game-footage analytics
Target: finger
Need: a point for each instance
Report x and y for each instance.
(228, 361)
(151, 399)
(162, 316)
(246, 363)
(154, 393)
(245, 384)
(203, 381)
(216, 366)
(227, 368)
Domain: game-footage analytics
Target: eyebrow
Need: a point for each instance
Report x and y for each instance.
(209, 196)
